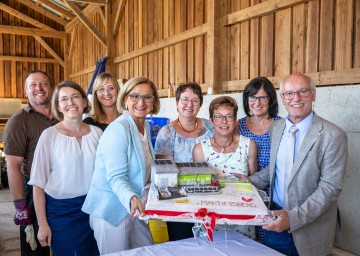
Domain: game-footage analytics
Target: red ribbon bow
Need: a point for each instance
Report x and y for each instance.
(202, 213)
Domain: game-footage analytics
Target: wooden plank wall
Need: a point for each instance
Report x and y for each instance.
(167, 40)
(12, 72)
(319, 37)
(173, 64)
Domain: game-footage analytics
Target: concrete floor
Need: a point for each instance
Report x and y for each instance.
(9, 232)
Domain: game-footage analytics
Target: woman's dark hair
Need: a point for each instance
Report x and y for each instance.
(195, 87)
(254, 87)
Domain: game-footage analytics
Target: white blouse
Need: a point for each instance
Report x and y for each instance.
(61, 166)
(148, 157)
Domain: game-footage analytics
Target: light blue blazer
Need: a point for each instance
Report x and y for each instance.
(120, 171)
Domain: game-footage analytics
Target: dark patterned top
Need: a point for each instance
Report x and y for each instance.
(262, 142)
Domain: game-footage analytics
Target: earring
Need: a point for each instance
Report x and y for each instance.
(126, 107)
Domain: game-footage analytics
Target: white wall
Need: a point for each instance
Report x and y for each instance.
(339, 105)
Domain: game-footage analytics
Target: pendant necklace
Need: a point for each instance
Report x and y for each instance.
(196, 126)
(224, 147)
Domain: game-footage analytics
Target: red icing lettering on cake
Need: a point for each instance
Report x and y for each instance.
(249, 199)
(232, 204)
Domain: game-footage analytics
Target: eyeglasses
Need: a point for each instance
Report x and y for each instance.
(302, 93)
(220, 118)
(137, 97)
(186, 101)
(73, 98)
(260, 98)
(101, 90)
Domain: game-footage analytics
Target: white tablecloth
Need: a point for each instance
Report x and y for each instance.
(235, 245)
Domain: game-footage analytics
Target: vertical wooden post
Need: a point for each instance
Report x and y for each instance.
(67, 60)
(215, 68)
(110, 38)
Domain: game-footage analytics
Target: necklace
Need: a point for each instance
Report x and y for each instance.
(223, 147)
(196, 126)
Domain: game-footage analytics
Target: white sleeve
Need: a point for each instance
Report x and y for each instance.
(41, 165)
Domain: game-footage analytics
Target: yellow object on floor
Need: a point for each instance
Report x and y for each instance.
(159, 231)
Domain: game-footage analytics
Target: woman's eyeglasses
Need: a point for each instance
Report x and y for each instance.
(260, 98)
(220, 118)
(186, 101)
(137, 97)
(102, 90)
(73, 98)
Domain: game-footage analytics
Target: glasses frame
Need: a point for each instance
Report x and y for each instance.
(303, 93)
(195, 102)
(102, 90)
(228, 118)
(74, 98)
(146, 98)
(260, 98)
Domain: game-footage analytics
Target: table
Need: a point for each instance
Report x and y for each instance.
(235, 245)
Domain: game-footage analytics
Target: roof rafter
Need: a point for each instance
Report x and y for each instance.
(24, 17)
(102, 2)
(118, 17)
(86, 22)
(43, 11)
(50, 50)
(31, 32)
(57, 8)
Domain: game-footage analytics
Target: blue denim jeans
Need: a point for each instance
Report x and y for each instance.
(280, 241)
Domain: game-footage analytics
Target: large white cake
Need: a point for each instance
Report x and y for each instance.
(202, 200)
(235, 204)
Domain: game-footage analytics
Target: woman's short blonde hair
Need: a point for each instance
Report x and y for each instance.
(127, 88)
(98, 112)
(223, 101)
(55, 98)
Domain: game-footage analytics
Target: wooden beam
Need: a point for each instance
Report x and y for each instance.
(89, 10)
(216, 45)
(336, 77)
(118, 17)
(57, 8)
(86, 22)
(111, 40)
(259, 10)
(67, 57)
(50, 50)
(31, 32)
(191, 33)
(72, 44)
(101, 2)
(82, 72)
(101, 11)
(43, 11)
(27, 59)
(24, 17)
(239, 85)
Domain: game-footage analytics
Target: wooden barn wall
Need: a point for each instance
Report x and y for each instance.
(320, 38)
(85, 51)
(173, 64)
(270, 38)
(13, 72)
(139, 28)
